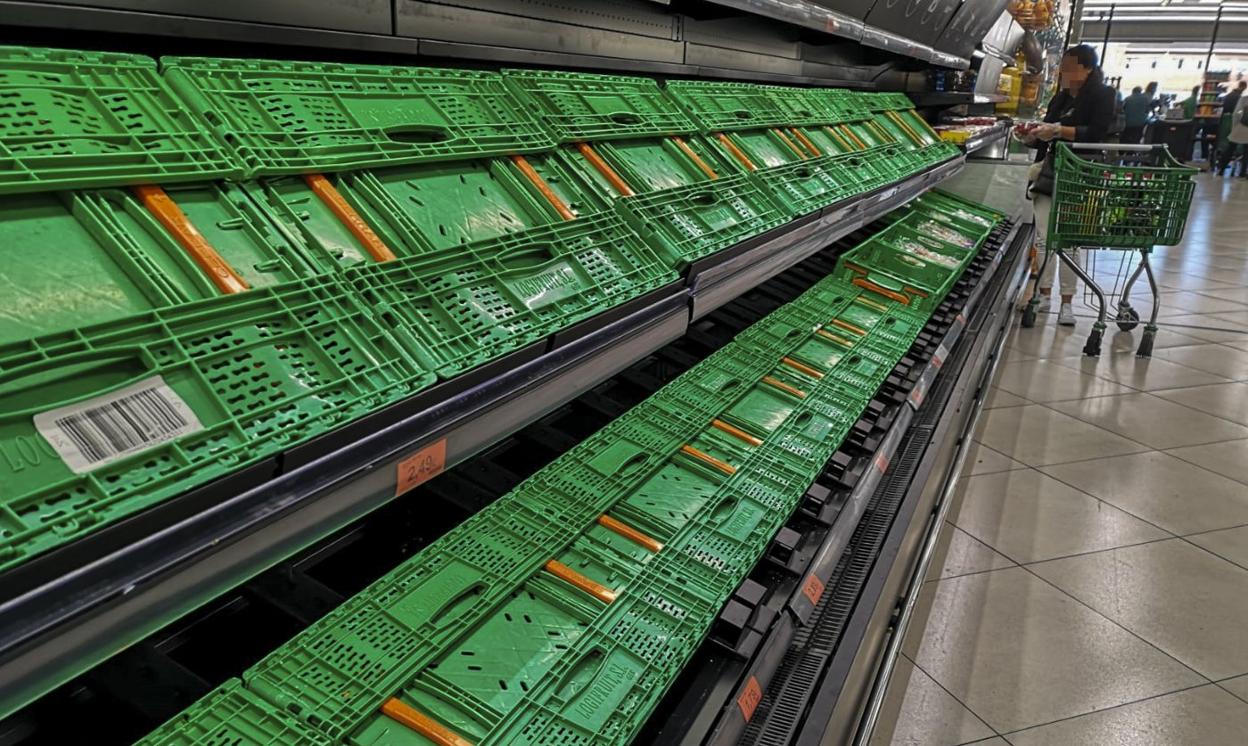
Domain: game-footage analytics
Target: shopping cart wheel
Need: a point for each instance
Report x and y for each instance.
(1092, 348)
(1146, 343)
(1128, 317)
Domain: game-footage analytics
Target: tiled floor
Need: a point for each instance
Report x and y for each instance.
(1091, 586)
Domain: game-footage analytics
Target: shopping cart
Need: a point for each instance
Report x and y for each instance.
(1137, 198)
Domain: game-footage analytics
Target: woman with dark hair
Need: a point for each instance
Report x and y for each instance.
(1082, 111)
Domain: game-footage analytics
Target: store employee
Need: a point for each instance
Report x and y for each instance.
(1082, 111)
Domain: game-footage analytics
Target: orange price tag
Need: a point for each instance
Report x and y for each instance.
(813, 589)
(420, 467)
(750, 697)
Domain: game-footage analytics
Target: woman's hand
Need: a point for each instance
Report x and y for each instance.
(1048, 131)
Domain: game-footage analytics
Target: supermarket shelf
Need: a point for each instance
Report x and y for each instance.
(952, 98)
(987, 138)
(711, 713)
(820, 18)
(65, 611)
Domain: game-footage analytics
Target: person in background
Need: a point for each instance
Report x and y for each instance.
(1228, 150)
(1082, 111)
(1189, 103)
(1135, 109)
(1154, 102)
(1239, 133)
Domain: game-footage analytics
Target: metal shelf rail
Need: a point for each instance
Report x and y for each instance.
(987, 138)
(74, 607)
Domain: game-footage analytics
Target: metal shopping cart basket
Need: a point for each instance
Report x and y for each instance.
(1136, 198)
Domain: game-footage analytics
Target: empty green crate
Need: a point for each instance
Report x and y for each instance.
(719, 107)
(112, 258)
(294, 117)
(459, 308)
(886, 101)
(233, 716)
(579, 107)
(924, 282)
(687, 223)
(807, 186)
(102, 421)
(71, 120)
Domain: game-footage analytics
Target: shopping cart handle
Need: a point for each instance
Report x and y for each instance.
(1115, 146)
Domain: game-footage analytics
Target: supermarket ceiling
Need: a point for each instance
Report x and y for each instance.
(1184, 22)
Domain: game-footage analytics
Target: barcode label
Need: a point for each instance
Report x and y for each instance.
(99, 431)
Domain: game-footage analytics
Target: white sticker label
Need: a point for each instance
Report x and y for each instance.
(99, 431)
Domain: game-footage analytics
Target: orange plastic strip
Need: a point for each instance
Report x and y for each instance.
(839, 140)
(615, 180)
(890, 294)
(805, 141)
(800, 153)
(536, 180)
(855, 267)
(726, 468)
(736, 432)
(882, 133)
(574, 578)
(784, 387)
(405, 714)
(854, 138)
(870, 303)
(834, 337)
(801, 367)
(916, 291)
(736, 152)
(630, 533)
(697, 160)
(905, 126)
(342, 210)
(167, 212)
(849, 327)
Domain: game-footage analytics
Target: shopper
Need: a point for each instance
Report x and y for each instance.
(1082, 111)
(1189, 103)
(1228, 149)
(1135, 109)
(1239, 133)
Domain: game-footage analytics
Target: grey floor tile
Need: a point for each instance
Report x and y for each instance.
(1209, 328)
(1182, 281)
(1051, 341)
(1236, 294)
(1037, 435)
(917, 712)
(1237, 686)
(1220, 360)
(1204, 716)
(1229, 459)
(1144, 374)
(1228, 400)
(1018, 652)
(1028, 516)
(1230, 544)
(1152, 420)
(1191, 302)
(980, 459)
(1046, 381)
(1185, 601)
(998, 398)
(959, 553)
(1162, 489)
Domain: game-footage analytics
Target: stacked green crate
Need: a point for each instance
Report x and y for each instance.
(170, 332)
(758, 133)
(496, 243)
(632, 147)
(920, 256)
(894, 113)
(563, 611)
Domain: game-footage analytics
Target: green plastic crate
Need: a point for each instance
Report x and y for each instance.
(940, 200)
(579, 107)
(803, 106)
(687, 223)
(74, 119)
(459, 308)
(294, 117)
(112, 258)
(720, 107)
(925, 283)
(232, 716)
(148, 406)
(807, 186)
(886, 101)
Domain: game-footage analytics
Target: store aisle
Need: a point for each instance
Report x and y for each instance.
(1092, 583)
